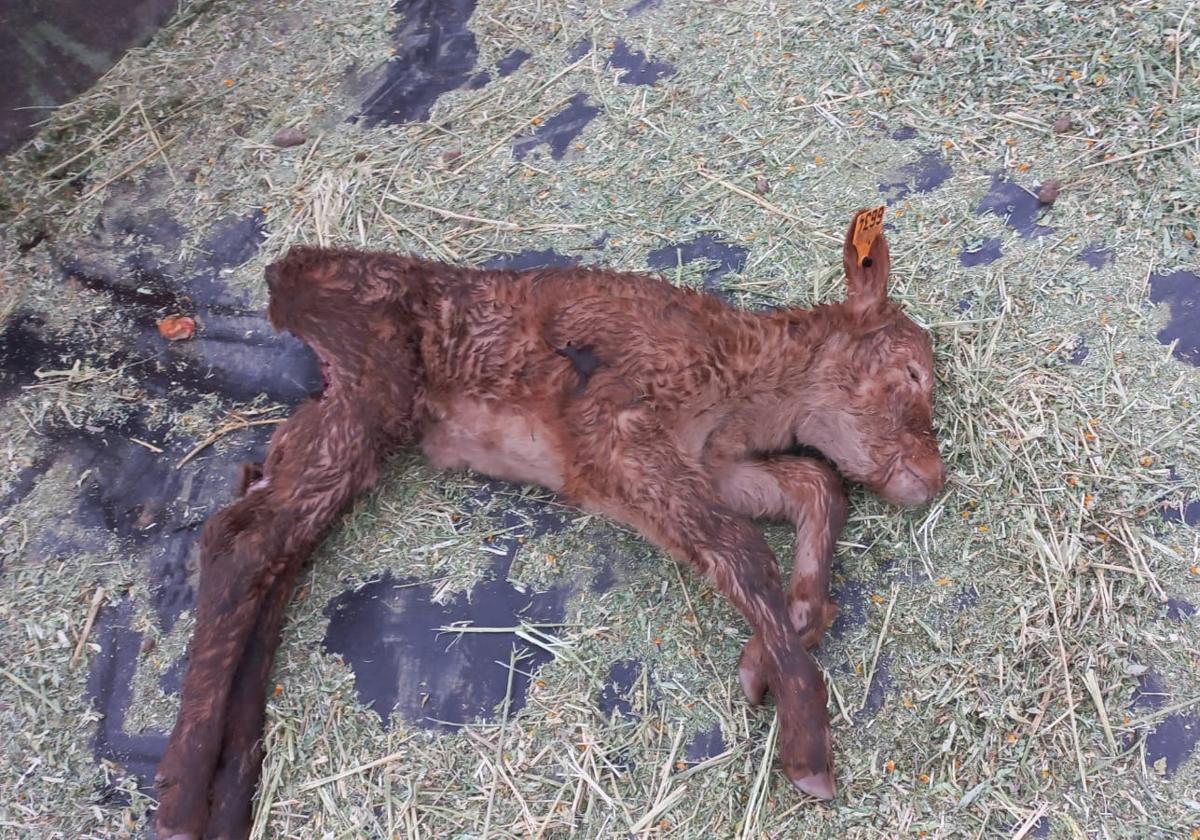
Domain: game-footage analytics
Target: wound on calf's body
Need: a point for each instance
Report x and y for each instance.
(583, 360)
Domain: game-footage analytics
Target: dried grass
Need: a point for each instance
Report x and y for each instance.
(1005, 712)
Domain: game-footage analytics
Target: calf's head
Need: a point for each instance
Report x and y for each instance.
(873, 409)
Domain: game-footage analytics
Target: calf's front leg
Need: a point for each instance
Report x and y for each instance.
(809, 494)
(673, 504)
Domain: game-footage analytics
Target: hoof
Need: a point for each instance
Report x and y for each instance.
(752, 672)
(819, 785)
(811, 624)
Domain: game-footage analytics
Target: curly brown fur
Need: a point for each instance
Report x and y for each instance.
(660, 407)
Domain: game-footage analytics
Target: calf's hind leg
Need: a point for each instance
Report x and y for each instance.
(237, 773)
(319, 460)
(237, 770)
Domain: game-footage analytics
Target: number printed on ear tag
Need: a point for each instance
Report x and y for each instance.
(867, 228)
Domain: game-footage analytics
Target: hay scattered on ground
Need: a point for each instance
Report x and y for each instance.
(1016, 612)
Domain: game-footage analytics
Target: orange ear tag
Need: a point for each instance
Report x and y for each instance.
(867, 228)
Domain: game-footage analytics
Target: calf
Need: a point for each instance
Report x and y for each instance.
(662, 408)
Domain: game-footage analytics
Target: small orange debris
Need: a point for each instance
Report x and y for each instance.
(278, 689)
(818, 160)
(890, 766)
(877, 598)
(1103, 537)
(983, 529)
(943, 581)
(1088, 498)
(227, 82)
(1075, 74)
(923, 778)
(947, 144)
(536, 120)
(177, 328)
(1011, 737)
(1146, 461)
(1194, 569)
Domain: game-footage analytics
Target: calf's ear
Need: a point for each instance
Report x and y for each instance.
(865, 256)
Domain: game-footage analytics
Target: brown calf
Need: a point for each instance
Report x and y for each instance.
(662, 408)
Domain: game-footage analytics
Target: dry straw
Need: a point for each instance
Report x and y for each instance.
(1004, 627)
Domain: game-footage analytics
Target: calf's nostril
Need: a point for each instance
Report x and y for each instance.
(927, 476)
